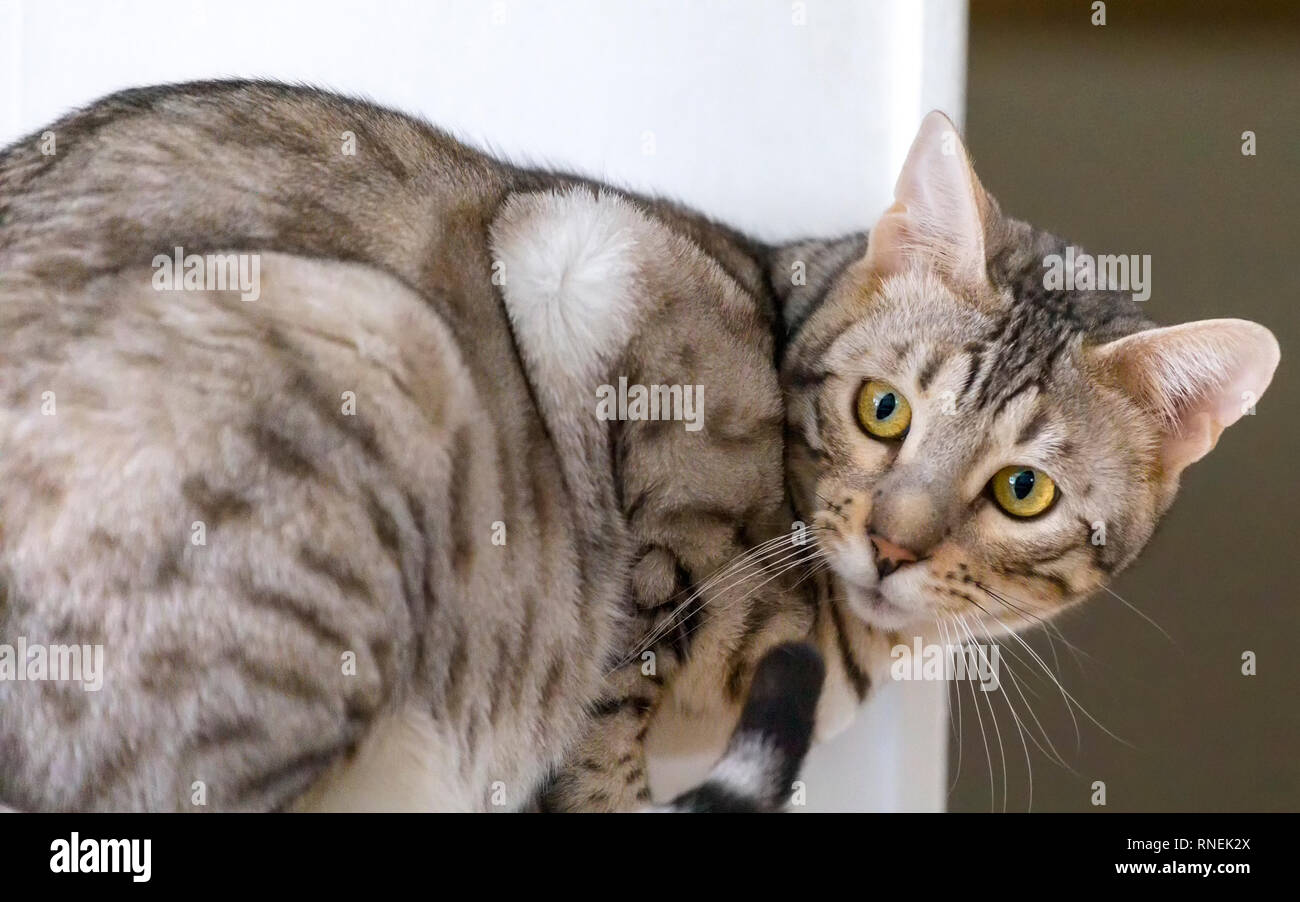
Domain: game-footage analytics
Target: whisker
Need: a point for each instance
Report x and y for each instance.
(748, 563)
(788, 567)
(1002, 752)
(1070, 699)
(1054, 755)
(938, 625)
(984, 737)
(1020, 727)
(1011, 651)
(1078, 737)
(960, 733)
(1135, 610)
(801, 554)
(1047, 625)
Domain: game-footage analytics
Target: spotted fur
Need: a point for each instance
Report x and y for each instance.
(349, 633)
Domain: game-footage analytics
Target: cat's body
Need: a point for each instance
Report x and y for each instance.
(428, 570)
(467, 529)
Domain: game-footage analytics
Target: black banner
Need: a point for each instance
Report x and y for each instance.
(333, 852)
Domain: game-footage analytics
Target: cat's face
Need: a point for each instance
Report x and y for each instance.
(1017, 489)
(972, 445)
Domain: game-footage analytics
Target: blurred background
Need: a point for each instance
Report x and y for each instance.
(1127, 138)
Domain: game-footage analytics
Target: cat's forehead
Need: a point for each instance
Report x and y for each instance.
(1021, 329)
(888, 323)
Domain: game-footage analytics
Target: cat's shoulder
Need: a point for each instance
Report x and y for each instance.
(583, 267)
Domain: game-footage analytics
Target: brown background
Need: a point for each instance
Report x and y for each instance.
(1126, 138)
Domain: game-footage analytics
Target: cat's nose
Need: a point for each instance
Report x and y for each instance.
(911, 519)
(889, 556)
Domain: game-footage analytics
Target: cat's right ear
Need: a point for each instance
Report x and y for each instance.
(937, 219)
(1197, 379)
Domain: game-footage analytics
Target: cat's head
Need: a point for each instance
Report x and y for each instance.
(968, 436)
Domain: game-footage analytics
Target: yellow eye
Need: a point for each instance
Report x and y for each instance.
(882, 410)
(1023, 491)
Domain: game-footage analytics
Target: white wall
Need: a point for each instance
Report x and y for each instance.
(783, 118)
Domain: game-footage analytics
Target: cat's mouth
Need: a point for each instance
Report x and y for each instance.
(891, 603)
(876, 608)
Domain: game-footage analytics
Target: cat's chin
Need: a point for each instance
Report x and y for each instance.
(875, 608)
(892, 604)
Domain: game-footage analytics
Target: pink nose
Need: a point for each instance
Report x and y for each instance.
(889, 557)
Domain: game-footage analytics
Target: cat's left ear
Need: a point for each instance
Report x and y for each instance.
(937, 219)
(1198, 379)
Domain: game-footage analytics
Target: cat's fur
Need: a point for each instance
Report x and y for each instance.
(480, 667)
(331, 533)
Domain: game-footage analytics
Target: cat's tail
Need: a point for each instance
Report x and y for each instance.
(762, 760)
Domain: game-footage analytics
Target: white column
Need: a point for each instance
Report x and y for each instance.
(783, 118)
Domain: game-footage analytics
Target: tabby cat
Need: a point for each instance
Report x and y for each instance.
(364, 542)
(354, 536)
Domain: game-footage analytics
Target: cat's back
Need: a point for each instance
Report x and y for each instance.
(237, 164)
(191, 507)
(285, 519)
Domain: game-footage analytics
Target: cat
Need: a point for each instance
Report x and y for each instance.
(980, 448)
(468, 309)
(971, 448)
(353, 537)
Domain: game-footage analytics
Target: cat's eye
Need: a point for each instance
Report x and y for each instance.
(882, 410)
(1023, 491)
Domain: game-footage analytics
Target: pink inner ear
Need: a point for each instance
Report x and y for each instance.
(888, 242)
(1196, 436)
(935, 221)
(1199, 378)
